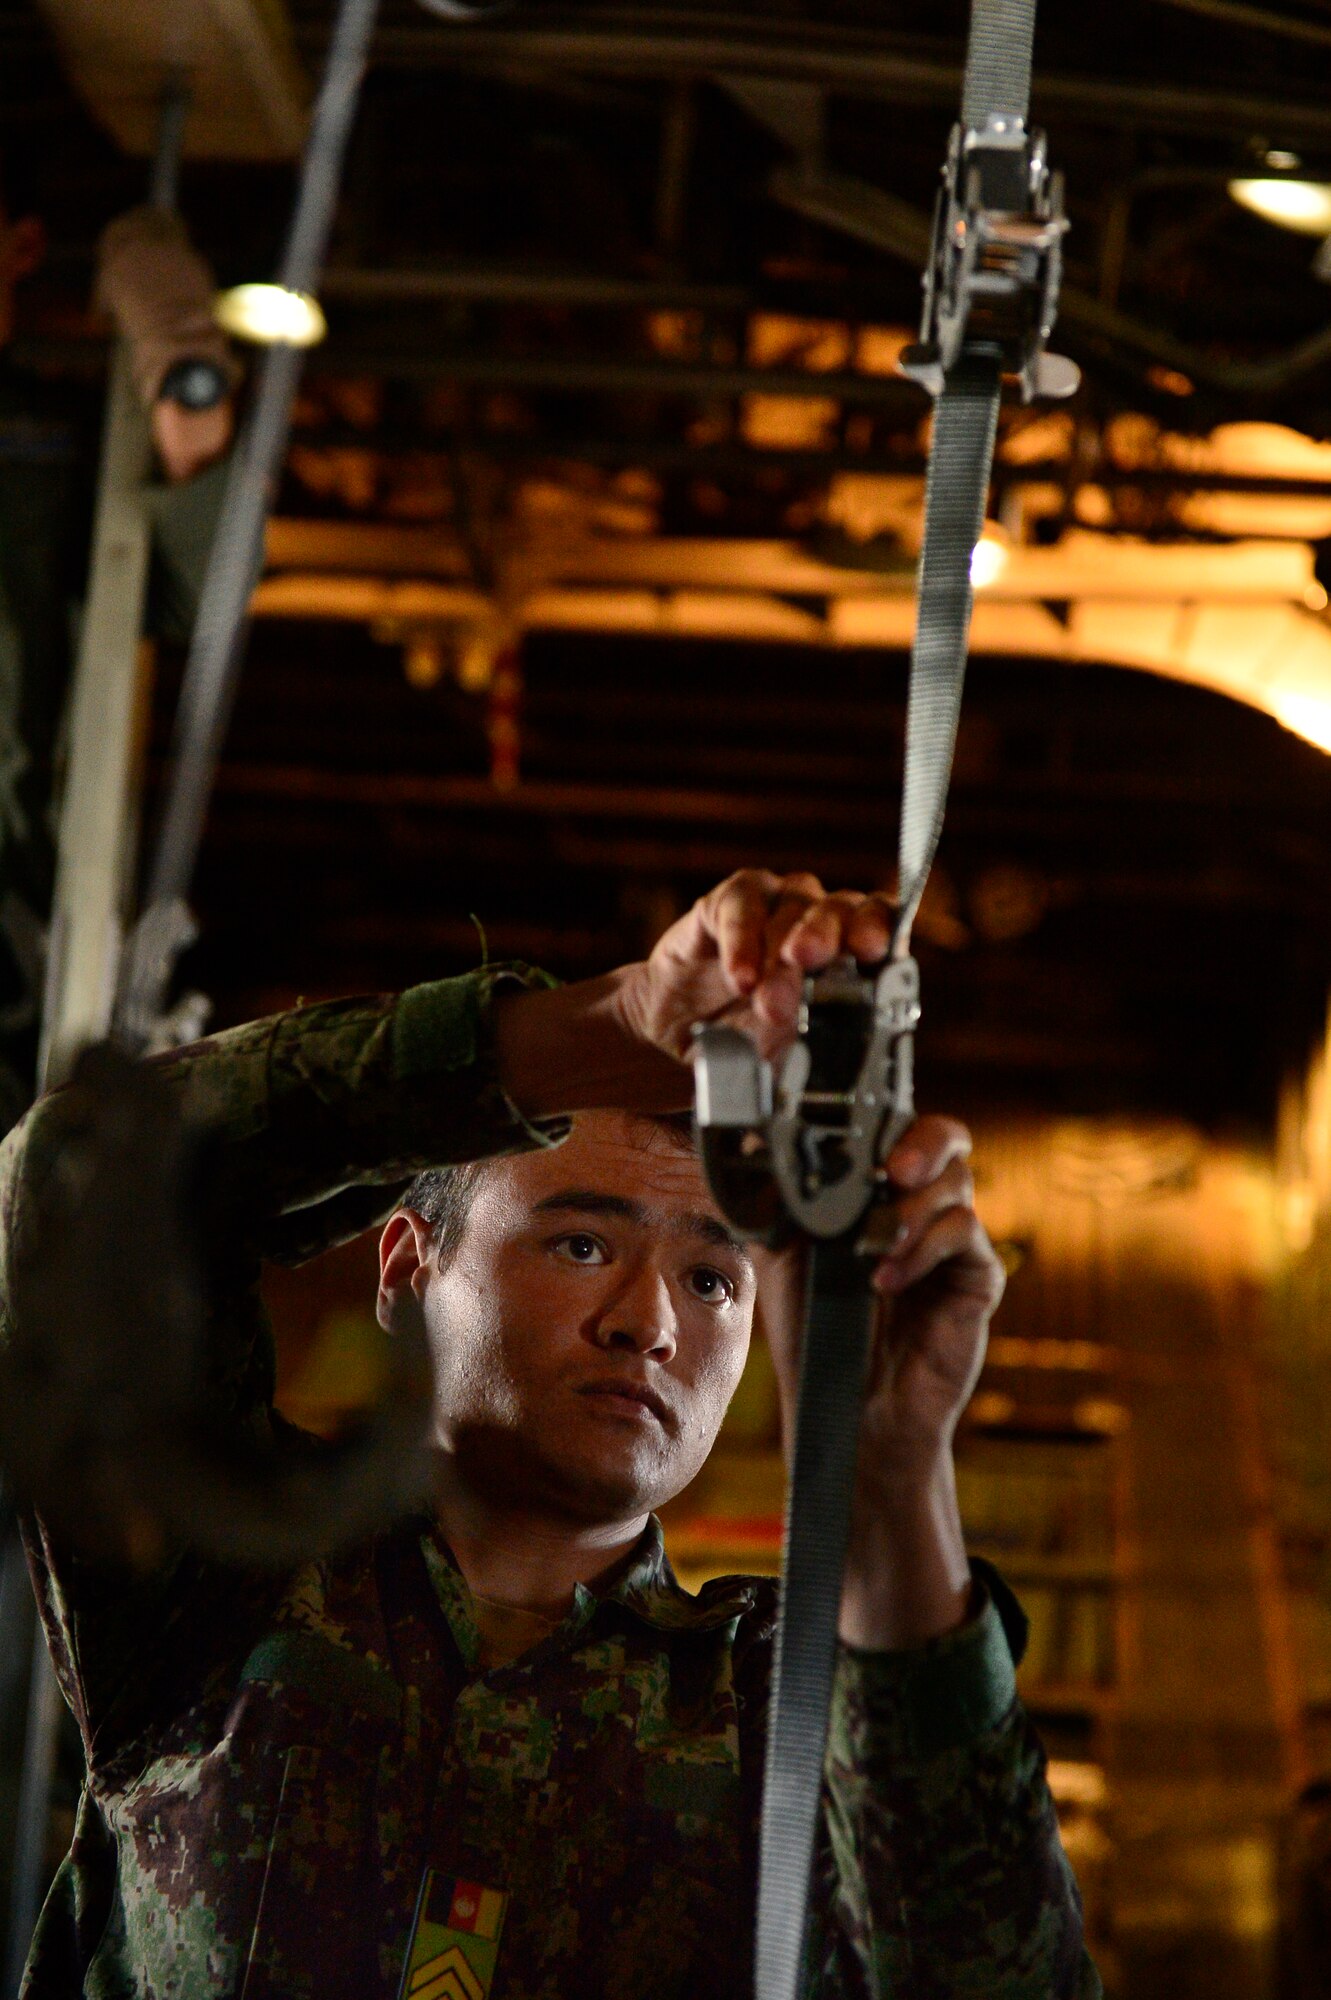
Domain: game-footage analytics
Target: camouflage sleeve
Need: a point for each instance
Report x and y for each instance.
(319, 1117)
(355, 1095)
(947, 1876)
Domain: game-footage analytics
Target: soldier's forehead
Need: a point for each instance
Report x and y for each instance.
(617, 1153)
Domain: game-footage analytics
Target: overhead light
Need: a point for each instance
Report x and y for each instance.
(1304, 206)
(1281, 160)
(989, 558)
(270, 315)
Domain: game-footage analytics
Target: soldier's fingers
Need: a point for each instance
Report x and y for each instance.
(869, 931)
(789, 902)
(926, 1148)
(954, 1242)
(776, 1001)
(820, 934)
(736, 914)
(914, 1211)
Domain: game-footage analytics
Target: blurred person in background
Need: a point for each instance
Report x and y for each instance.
(158, 293)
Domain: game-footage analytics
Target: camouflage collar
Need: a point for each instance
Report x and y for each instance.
(645, 1586)
(648, 1587)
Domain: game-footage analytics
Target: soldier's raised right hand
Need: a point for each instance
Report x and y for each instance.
(739, 956)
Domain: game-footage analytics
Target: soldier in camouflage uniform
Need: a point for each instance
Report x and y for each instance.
(499, 1751)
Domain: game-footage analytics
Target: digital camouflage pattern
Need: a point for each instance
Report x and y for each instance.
(278, 1766)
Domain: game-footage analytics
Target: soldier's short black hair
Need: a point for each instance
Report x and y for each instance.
(443, 1195)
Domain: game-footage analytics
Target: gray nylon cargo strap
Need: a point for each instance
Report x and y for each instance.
(960, 458)
(842, 1308)
(997, 82)
(839, 1323)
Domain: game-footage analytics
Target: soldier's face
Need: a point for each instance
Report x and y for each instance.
(591, 1328)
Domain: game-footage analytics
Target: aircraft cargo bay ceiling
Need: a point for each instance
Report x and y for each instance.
(590, 575)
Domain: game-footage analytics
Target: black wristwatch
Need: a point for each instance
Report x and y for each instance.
(195, 383)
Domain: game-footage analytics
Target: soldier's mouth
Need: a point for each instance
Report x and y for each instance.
(633, 1401)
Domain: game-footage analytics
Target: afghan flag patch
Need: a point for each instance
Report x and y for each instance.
(454, 1940)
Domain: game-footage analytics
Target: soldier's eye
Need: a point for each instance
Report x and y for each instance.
(581, 1248)
(713, 1287)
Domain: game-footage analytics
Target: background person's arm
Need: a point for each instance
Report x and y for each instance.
(159, 291)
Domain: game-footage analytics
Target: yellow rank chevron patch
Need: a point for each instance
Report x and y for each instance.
(447, 1977)
(454, 1945)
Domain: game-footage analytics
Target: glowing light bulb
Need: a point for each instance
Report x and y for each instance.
(989, 559)
(1304, 206)
(269, 314)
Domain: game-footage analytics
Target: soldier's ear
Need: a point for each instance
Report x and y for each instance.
(406, 1260)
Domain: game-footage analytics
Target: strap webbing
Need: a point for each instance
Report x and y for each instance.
(208, 691)
(960, 459)
(997, 82)
(842, 1306)
(839, 1323)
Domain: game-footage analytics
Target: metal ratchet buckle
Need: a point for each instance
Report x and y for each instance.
(805, 1150)
(995, 261)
